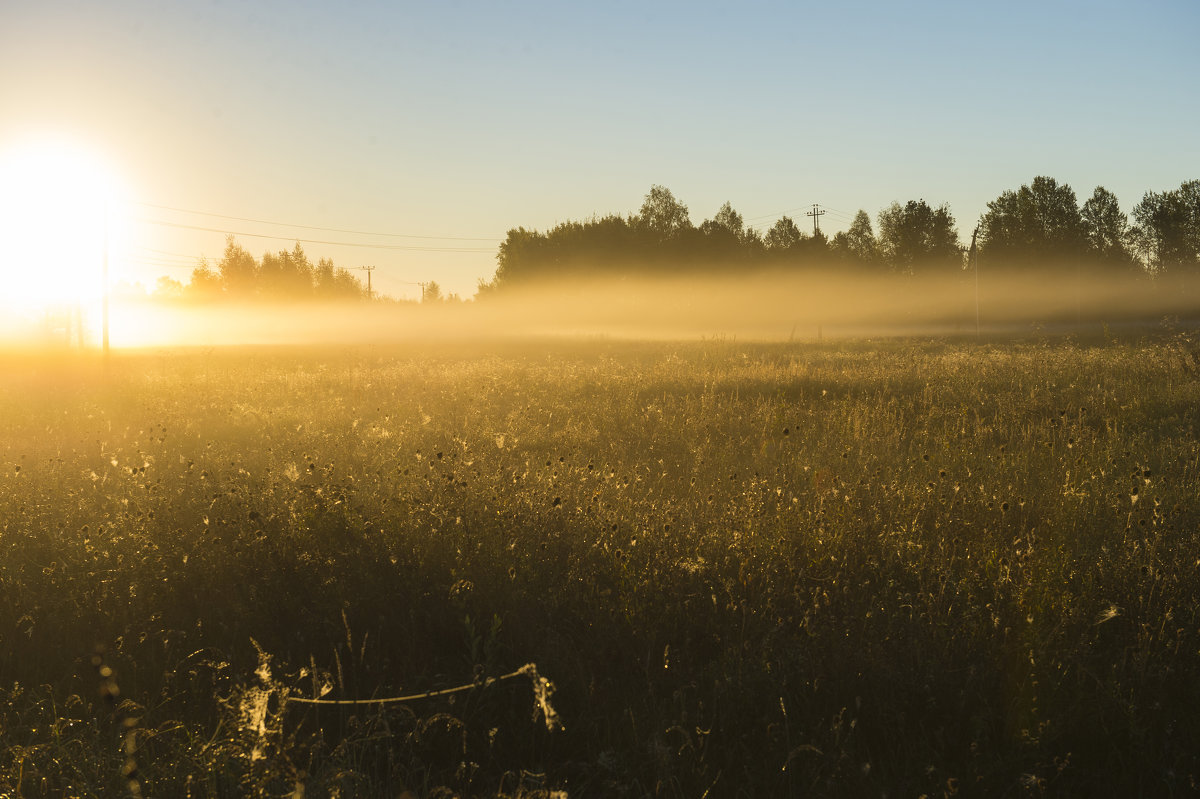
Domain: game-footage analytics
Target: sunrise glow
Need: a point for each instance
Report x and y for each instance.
(60, 210)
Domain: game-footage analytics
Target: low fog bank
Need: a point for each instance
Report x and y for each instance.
(806, 306)
(761, 306)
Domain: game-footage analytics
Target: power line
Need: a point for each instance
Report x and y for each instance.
(835, 212)
(314, 227)
(840, 218)
(150, 256)
(156, 264)
(183, 263)
(777, 214)
(144, 248)
(159, 259)
(141, 260)
(224, 231)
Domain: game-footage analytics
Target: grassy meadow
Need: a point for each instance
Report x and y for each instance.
(891, 568)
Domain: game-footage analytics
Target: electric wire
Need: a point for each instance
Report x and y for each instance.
(144, 248)
(394, 247)
(315, 227)
(780, 213)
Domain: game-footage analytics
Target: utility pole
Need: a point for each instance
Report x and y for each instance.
(368, 270)
(422, 285)
(816, 214)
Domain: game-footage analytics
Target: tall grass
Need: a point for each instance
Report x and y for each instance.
(897, 568)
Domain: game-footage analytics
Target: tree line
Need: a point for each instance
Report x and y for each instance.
(286, 275)
(283, 276)
(1041, 225)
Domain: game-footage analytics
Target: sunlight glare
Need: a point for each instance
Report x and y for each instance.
(58, 205)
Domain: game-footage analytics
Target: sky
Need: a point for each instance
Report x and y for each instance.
(447, 124)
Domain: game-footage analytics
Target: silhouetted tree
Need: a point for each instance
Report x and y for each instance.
(609, 240)
(300, 272)
(1037, 225)
(485, 289)
(347, 286)
(754, 246)
(1106, 230)
(520, 257)
(728, 219)
(205, 284)
(915, 238)
(814, 250)
(334, 283)
(239, 270)
(1168, 223)
(662, 214)
(723, 237)
(783, 236)
(286, 275)
(324, 277)
(660, 235)
(857, 243)
(432, 293)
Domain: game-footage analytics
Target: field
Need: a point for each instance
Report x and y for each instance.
(895, 568)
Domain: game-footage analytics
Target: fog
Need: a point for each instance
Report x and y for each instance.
(760, 306)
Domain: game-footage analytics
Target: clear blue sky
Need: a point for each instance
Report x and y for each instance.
(466, 119)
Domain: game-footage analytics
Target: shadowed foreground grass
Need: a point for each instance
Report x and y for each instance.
(758, 570)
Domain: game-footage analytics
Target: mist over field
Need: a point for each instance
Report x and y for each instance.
(763, 306)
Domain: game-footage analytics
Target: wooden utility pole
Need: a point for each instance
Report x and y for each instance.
(368, 270)
(816, 214)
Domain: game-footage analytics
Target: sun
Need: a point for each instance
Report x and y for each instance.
(59, 209)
